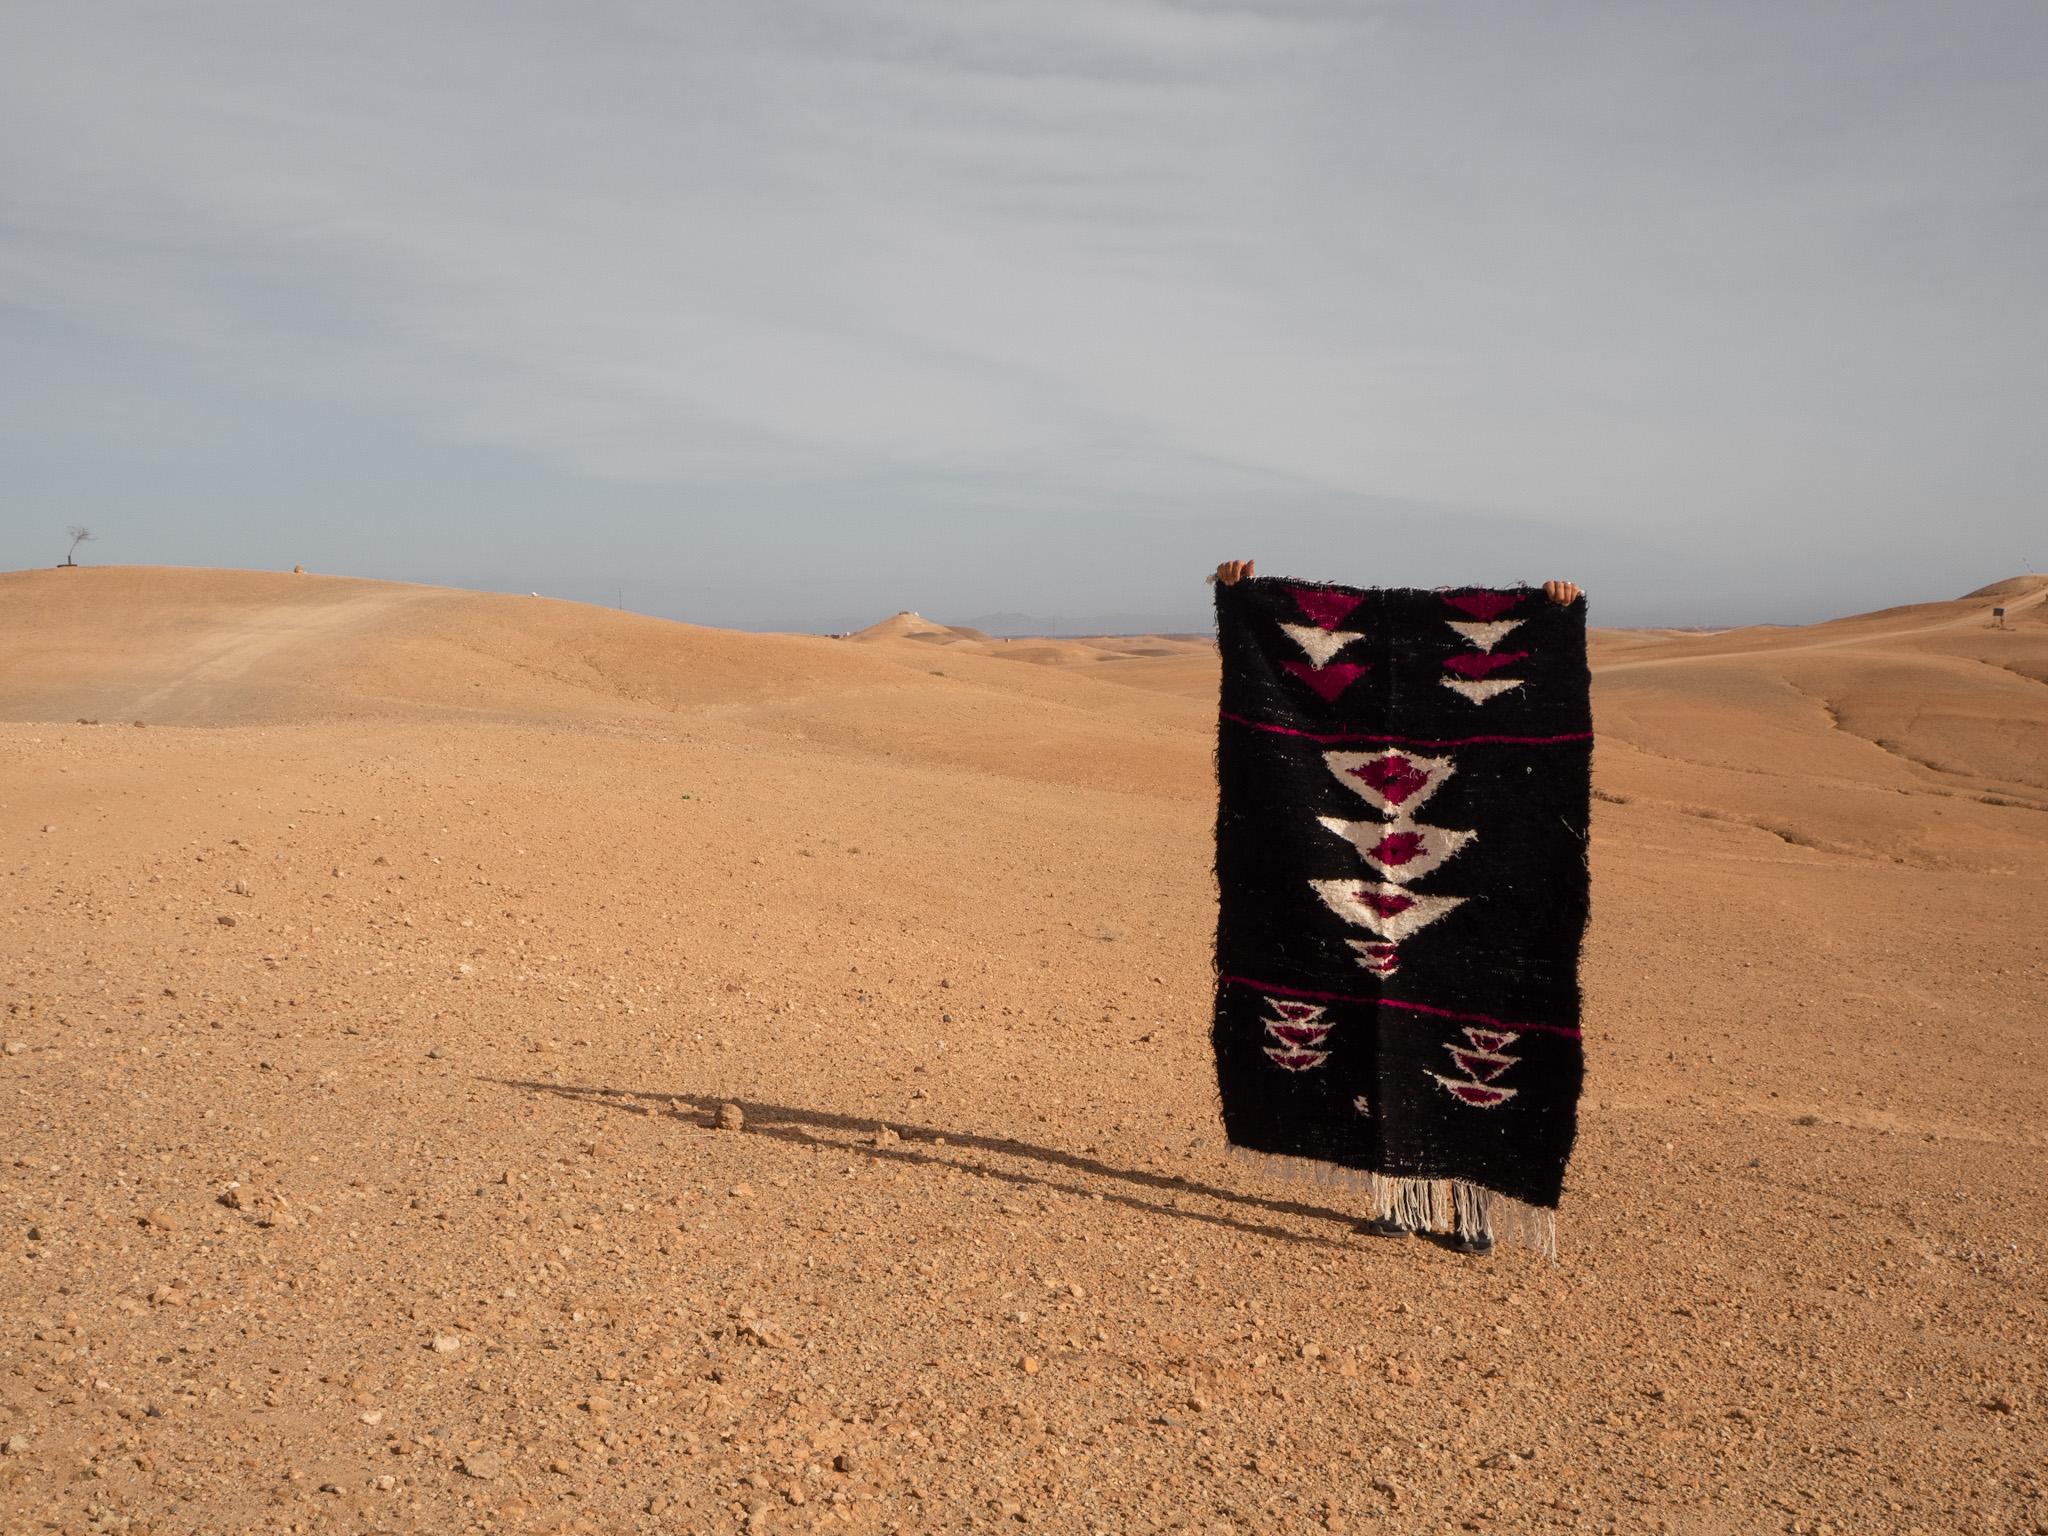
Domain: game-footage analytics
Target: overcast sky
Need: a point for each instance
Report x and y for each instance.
(792, 315)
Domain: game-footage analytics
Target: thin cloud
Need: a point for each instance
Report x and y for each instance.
(1688, 286)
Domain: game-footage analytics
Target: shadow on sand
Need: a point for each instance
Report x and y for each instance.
(781, 1122)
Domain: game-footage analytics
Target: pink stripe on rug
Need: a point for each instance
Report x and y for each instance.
(1388, 1002)
(1337, 737)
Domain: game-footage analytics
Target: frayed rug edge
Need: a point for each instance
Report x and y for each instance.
(1422, 1205)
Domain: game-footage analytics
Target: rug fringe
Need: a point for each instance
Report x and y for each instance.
(1425, 1205)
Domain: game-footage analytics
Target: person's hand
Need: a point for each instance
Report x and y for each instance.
(1562, 593)
(1231, 572)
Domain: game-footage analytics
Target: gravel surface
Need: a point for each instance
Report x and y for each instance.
(482, 1064)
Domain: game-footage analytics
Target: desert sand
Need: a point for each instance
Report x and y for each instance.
(369, 1013)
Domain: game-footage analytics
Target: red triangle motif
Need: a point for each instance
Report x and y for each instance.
(1483, 606)
(1324, 609)
(1384, 903)
(1393, 776)
(1296, 1061)
(1477, 1093)
(1483, 1065)
(1474, 664)
(1292, 1011)
(1328, 681)
(1298, 1034)
(1399, 848)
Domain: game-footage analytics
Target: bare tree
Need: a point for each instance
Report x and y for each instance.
(80, 534)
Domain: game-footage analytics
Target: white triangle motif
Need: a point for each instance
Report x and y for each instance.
(1392, 782)
(1384, 963)
(1480, 690)
(1485, 636)
(1383, 844)
(1387, 910)
(1320, 645)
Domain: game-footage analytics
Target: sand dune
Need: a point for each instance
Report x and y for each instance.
(369, 1012)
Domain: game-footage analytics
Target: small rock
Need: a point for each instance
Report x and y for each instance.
(374, 1417)
(886, 1137)
(226, 920)
(741, 1191)
(482, 1465)
(597, 1407)
(1311, 1351)
(35, 1234)
(14, 1445)
(445, 1344)
(240, 887)
(768, 1335)
(1028, 1365)
(731, 1118)
(433, 1053)
(161, 1219)
(385, 1483)
(49, 826)
(845, 1461)
(330, 1487)
(16, 1047)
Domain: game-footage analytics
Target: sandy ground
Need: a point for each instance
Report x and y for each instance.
(369, 1012)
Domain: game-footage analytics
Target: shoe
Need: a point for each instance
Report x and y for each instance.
(1478, 1243)
(1381, 1227)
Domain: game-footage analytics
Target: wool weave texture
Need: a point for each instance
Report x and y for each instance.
(1404, 784)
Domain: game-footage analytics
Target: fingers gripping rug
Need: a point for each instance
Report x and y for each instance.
(1401, 855)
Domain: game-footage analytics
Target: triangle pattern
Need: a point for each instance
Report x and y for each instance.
(1480, 692)
(1296, 1060)
(1294, 1012)
(1477, 664)
(1381, 959)
(1320, 645)
(1327, 681)
(1478, 1095)
(1297, 1036)
(1483, 1065)
(1485, 636)
(1484, 606)
(1400, 850)
(1390, 781)
(1322, 607)
(1386, 910)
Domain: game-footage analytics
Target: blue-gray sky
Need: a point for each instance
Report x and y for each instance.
(793, 314)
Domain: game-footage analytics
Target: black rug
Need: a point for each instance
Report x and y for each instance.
(1401, 853)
